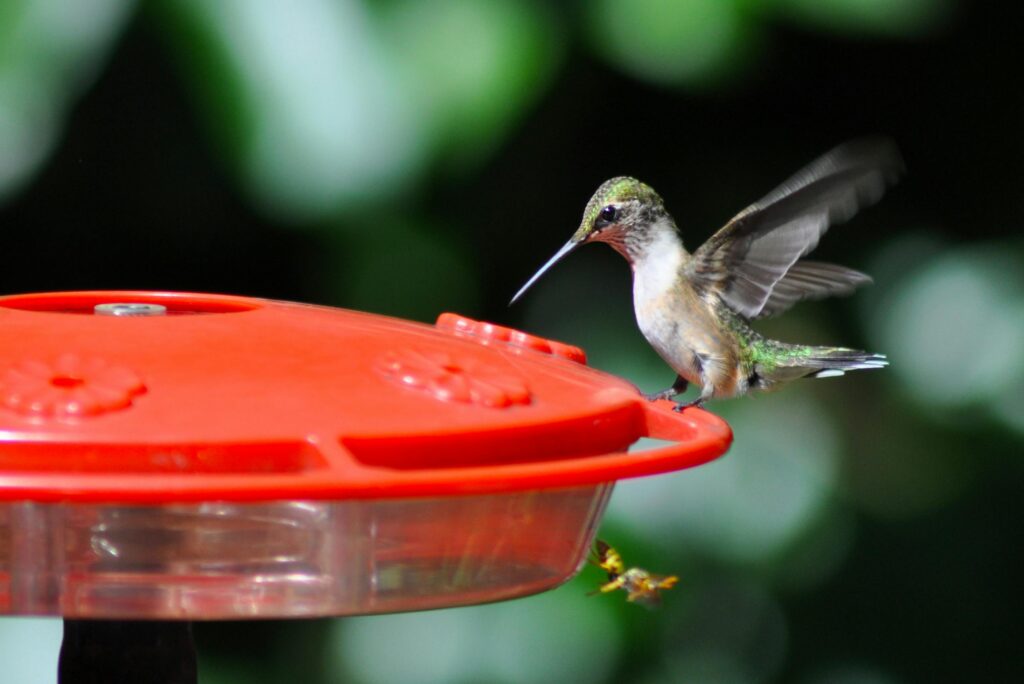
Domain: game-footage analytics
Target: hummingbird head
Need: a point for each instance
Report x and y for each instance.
(624, 213)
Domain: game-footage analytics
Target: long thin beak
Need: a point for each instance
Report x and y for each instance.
(566, 248)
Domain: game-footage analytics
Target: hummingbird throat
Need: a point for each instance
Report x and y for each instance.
(656, 251)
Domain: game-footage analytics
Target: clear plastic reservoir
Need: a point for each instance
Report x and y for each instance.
(290, 559)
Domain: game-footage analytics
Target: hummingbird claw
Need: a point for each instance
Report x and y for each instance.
(696, 403)
(663, 394)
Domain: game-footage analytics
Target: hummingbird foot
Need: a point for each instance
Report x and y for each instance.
(663, 394)
(678, 387)
(696, 403)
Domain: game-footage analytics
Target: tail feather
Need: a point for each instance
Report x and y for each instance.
(775, 363)
(828, 362)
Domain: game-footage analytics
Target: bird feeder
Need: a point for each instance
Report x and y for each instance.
(170, 457)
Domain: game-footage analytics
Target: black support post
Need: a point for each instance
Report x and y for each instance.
(137, 651)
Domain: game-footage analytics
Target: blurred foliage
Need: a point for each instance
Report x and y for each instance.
(334, 103)
(409, 158)
(49, 51)
(674, 42)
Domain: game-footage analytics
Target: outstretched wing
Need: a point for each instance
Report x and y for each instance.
(745, 260)
(811, 280)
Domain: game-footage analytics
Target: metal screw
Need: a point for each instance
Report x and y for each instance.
(129, 309)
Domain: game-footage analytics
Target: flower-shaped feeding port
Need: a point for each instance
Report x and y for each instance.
(448, 379)
(68, 387)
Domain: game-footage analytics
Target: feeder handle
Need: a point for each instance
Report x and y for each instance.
(697, 435)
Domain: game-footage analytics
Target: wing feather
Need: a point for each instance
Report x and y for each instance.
(811, 280)
(745, 260)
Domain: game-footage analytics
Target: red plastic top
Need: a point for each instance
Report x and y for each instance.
(233, 398)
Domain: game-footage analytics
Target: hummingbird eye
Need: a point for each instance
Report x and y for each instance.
(609, 214)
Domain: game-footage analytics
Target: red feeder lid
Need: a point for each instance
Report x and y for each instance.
(232, 398)
(167, 455)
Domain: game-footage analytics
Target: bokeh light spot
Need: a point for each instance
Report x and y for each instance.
(775, 481)
(672, 41)
(954, 327)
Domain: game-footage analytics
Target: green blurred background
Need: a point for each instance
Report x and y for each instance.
(409, 157)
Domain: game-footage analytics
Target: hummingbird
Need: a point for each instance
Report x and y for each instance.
(695, 308)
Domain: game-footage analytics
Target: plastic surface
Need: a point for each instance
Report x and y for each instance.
(167, 455)
(250, 399)
(222, 560)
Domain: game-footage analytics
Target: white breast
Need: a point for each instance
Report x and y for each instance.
(655, 273)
